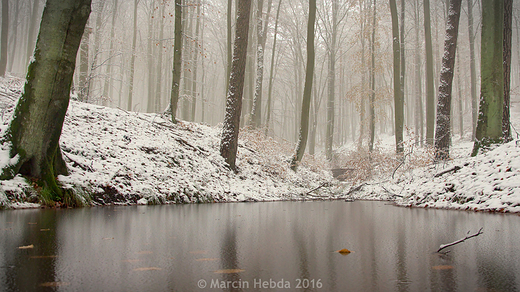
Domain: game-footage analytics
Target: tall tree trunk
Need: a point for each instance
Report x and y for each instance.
(196, 45)
(83, 65)
(158, 80)
(271, 70)
(262, 26)
(398, 96)
(443, 128)
(108, 88)
(38, 119)
(229, 142)
(307, 89)
(430, 90)
(4, 37)
(132, 61)
(14, 42)
(473, 70)
(33, 25)
(229, 50)
(329, 135)
(150, 60)
(177, 60)
(489, 124)
(419, 116)
(403, 63)
(508, 33)
(372, 116)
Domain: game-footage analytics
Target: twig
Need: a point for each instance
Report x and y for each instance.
(443, 246)
(355, 189)
(319, 187)
(453, 169)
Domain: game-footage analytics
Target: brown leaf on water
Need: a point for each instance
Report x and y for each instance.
(108, 238)
(32, 223)
(198, 251)
(344, 251)
(54, 284)
(147, 269)
(206, 259)
(442, 267)
(26, 246)
(45, 229)
(145, 252)
(229, 271)
(44, 257)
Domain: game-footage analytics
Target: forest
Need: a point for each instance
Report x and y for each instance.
(333, 79)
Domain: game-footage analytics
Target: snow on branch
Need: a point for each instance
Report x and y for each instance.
(443, 246)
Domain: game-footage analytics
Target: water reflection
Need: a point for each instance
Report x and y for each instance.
(257, 246)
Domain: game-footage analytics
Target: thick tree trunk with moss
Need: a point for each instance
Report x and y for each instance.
(489, 124)
(35, 131)
(229, 142)
(307, 89)
(443, 129)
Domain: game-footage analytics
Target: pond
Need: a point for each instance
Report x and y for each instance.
(278, 246)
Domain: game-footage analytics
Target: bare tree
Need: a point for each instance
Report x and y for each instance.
(508, 33)
(443, 127)
(132, 60)
(229, 142)
(430, 90)
(398, 93)
(177, 58)
(3, 39)
(307, 90)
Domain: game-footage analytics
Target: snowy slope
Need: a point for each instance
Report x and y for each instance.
(127, 158)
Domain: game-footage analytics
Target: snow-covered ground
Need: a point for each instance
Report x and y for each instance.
(120, 157)
(135, 158)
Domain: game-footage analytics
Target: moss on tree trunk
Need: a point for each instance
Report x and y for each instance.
(36, 127)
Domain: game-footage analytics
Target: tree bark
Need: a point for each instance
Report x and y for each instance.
(443, 129)
(307, 90)
(372, 116)
(108, 87)
(398, 96)
(5, 34)
(132, 61)
(31, 37)
(430, 90)
(177, 60)
(489, 124)
(329, 138)
(38, 119)
(271, 70)
(229, 142)
(508, 33)
(473, 71)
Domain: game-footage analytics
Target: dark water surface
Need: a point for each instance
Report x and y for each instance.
(282, 246)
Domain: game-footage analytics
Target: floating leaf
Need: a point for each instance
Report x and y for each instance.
(32, 223)
(344, 251)
(145, 252)
(26, 246)
(45, 229)
(108, 238)
(147, 269)
(442, 267)
(54, 284)
(229, 271)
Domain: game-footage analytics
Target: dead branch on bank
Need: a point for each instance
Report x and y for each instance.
(443, 246)
(453, 169)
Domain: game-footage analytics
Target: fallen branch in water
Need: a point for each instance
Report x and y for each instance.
(443, 246)
(355, 189)
(319, 187)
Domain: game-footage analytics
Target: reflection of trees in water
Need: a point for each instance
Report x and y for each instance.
(32, 267)
(229, 255)
(494, 276)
